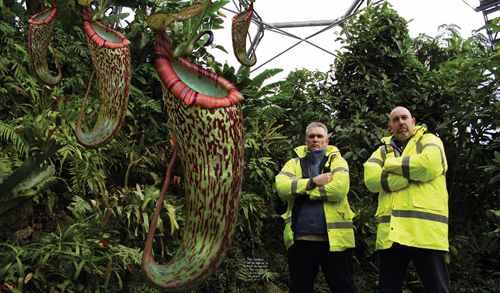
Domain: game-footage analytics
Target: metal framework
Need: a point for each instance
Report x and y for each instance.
(488, 7)
(279, 28)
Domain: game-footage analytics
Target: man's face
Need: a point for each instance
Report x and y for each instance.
(401, 124)
(316, 139)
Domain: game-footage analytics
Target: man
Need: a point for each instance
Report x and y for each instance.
(408, 172)
(318, 221)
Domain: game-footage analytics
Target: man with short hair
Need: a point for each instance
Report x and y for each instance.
(318, 222)
(408, 173)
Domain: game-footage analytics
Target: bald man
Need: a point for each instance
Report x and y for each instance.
(408, 173)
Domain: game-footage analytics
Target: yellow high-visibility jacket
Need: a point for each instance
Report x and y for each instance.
(338, 214)
(412, 195)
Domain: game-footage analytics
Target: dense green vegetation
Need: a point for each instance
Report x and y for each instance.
(75, 219)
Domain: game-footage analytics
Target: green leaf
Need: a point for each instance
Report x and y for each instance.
(495, 213)
(31, 173)
(494, 180)
(219, 47)
(266, 74)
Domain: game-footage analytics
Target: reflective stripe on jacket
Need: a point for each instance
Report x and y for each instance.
(413, 199)
(338, 214)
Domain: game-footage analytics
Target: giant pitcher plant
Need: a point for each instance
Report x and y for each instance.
(111, 64)
(206, 123)
(41, 27)
(110, 55)
(239, 30)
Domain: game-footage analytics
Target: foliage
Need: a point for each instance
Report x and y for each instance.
(77, 257)
(301, 98)
(8, 134)
(376, 65)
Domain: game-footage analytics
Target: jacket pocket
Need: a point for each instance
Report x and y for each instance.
(430, 195)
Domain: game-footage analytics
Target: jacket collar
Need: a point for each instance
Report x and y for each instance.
(302, 150)
(419, 130)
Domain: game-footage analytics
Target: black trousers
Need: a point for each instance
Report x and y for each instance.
(306, 257)
(430, 265)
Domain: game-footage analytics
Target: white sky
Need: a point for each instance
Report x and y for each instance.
(424, 15)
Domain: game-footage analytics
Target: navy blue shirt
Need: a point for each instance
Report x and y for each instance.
(308, 216)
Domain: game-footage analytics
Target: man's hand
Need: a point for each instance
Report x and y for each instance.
(322, 179)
